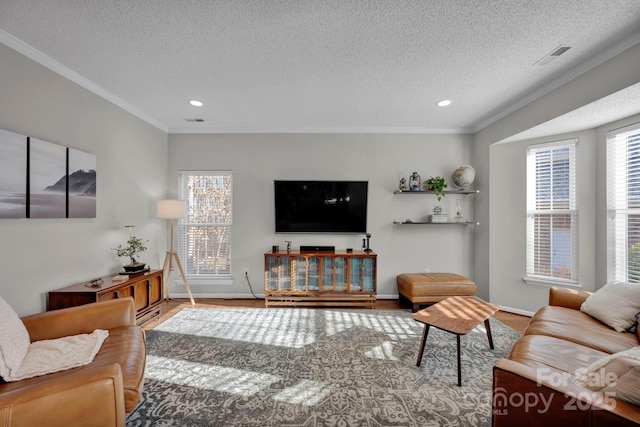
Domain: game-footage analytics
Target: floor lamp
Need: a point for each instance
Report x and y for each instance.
(173, 209)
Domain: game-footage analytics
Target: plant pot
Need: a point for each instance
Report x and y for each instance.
(134, 268)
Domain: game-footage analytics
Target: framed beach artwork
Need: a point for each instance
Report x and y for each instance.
(40, 179)
(13, 175)
(82, 184)
(47, 179)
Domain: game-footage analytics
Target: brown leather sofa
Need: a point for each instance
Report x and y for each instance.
(99, 394)
(534, 385)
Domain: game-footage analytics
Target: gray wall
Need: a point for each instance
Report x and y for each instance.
(39, 255)
(258, 159)
(611, 76)
(136, 167)
(508, 223)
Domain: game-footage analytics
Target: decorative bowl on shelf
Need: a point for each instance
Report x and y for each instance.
(463, 176)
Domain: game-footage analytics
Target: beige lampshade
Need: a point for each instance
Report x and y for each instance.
(171, 209)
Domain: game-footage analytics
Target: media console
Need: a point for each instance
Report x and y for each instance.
(320, 278)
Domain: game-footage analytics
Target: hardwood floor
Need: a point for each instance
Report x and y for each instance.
(517, 322)
(168, 309)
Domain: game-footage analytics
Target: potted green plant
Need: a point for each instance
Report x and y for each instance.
(437, 184)
(132, 249)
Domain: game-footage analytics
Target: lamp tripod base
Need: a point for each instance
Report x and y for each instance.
(169, 260)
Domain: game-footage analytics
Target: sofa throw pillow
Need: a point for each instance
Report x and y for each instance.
(615, 305)
(14, 340)
(634, 328)
(60, 354)
(617, 375)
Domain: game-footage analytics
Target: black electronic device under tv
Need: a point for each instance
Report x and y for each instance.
(321, 206)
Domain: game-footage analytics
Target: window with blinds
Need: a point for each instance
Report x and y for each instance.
(204, 234)
(623, 204)
(552, 215)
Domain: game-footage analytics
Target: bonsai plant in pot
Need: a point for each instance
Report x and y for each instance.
(132, 248)
(436, 184)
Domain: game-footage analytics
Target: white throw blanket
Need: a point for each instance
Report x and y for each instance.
(48, 356)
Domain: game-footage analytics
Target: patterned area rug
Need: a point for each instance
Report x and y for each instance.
(314, 367)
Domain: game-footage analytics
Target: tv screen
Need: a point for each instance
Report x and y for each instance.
(321, 206)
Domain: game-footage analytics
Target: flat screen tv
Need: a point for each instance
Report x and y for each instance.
(321, 206)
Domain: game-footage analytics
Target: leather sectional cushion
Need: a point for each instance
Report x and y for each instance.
(580, 328)
(550, 354)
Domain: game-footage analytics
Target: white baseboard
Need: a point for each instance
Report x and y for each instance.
(516, 311)
(219, 296)
(243, 296)
(261, 296)
(386, 296)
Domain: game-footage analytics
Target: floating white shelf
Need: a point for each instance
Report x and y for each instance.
(433, 192)
(434, 223)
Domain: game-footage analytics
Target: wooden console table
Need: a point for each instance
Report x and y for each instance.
(300, 278)
(145, 288)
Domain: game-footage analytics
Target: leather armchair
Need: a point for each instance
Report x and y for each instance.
(98, 394)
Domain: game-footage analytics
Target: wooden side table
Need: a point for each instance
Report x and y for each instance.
(457, 315)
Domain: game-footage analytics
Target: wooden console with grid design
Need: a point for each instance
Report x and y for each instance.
(337, 278)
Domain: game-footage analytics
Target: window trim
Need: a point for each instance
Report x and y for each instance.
(204, 279)
(548, 281)
(613, 169)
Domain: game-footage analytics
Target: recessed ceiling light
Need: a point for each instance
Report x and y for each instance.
(443, 103)
(195, 103)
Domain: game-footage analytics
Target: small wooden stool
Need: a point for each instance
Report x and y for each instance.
(429, 288)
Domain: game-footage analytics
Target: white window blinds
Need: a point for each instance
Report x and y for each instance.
(204, 241)
(623, 204)
(552, 215)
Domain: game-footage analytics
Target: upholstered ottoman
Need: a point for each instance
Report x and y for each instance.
(428, 288)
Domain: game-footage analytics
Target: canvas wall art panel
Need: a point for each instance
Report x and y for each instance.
(82, 184)
(13, 175)
(47, 179)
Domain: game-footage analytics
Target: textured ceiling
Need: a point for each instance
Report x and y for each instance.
(319, 66)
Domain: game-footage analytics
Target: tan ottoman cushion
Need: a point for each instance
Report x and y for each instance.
(433, 287)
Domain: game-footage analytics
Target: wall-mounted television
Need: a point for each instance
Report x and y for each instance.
(321, 206)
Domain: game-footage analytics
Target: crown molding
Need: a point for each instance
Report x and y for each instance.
(42, 59)
(331, 130)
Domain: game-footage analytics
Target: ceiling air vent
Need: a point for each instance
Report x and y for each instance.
(552, 55)
(194, 120)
